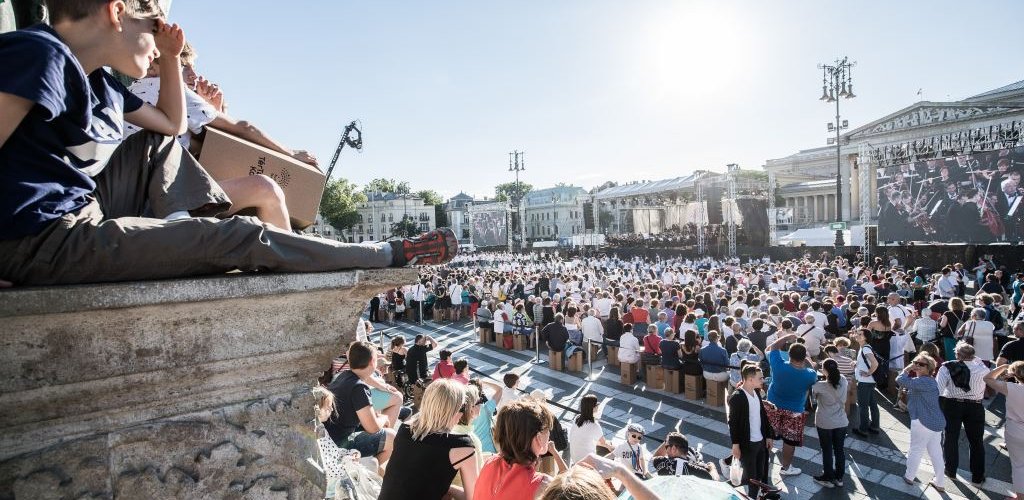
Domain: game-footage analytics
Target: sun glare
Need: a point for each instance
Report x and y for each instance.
(693, 52)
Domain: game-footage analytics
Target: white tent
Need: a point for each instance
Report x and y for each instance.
(822, 237)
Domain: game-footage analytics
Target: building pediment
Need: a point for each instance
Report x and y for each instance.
(927, 114)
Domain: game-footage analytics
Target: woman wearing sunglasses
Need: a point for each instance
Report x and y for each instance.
(926, 419)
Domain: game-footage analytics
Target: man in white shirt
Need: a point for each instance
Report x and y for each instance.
(897, 311)
(813, 335)
(603, 305)
(963, 393)
(591, 327)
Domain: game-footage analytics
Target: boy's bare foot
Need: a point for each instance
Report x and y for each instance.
(435, 247)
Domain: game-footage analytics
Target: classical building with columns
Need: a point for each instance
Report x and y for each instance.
(813, 196)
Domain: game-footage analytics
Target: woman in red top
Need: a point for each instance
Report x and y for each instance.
(523, 433)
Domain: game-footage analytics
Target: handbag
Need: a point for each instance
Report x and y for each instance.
(347, 478)
(969, 334)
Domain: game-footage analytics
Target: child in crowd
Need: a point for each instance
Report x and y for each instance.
(633, 453)
(511, 391)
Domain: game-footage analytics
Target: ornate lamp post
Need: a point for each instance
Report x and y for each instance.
(837, 83)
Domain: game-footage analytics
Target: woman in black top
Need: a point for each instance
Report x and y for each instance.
(426, 454)
(881, 333)
(691, 353)
(670, 350)
(613, 327)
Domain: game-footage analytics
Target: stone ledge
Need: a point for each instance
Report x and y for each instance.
(79, 298)
(82, 366)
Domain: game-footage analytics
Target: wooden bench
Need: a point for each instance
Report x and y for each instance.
(673, 383)
(627, 373)
(717, 393)
(613, 356)
(595, 349)
(576, 361)
(694, 386)
(485, 335)
(655, 377)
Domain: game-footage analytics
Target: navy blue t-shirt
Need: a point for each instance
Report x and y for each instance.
(67, 137)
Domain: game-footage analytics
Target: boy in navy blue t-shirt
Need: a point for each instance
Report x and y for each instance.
(81, 203)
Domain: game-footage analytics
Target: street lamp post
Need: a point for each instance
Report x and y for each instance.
(517, 163)
(836, 83)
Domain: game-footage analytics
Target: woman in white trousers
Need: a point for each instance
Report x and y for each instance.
(926, 419)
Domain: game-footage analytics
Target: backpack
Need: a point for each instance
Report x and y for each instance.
(995, 317)
(959, 374)
(881, 373)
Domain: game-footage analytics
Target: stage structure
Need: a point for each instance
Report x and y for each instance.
(865, 165)
(702, 216)
(691, 209)
(972, 197)
(489, 225)
(731, 217)
(773, 216)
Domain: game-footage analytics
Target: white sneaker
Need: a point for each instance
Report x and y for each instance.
(181, 214)
(791, 471)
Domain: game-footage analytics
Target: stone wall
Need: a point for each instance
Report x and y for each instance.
(192, 388)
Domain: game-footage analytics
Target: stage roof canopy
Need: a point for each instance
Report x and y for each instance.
(646, 188)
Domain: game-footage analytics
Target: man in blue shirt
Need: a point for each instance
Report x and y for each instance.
(81, 203)
(788, 392)
(714, 359)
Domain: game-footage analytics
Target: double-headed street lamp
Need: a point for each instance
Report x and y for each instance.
(517, 163)
(836, 84)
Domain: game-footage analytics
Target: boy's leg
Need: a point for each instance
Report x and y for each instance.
(151, 175)
(83, 248)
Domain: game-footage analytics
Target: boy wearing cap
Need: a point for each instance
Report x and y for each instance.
(632, 453)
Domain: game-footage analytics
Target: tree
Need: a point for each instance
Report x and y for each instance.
(382, 185)
(430, 197)
(338, 205)
(507, 191)
(405, 228)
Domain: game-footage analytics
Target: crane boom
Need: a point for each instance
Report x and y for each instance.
(352, 136)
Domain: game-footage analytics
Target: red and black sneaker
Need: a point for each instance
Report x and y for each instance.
(435, 247)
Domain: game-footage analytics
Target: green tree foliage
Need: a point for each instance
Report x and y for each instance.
(387, 186)
(430, 197)
(338, 205)
(507, 191)
(405, 228)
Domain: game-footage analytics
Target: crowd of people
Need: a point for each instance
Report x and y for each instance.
(828, 338)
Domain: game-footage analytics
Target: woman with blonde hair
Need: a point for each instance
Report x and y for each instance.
(428, 454)
(1014, 427)
(588, 483)
(926, 419)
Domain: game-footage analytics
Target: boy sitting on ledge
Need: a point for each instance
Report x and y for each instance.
(80, 204)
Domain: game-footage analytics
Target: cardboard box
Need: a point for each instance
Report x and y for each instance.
(225, 156)
(627, 373)
(655, 377)
(716, 393)
(694, 386)
(576, 361)
(613, 355)
(672, 381)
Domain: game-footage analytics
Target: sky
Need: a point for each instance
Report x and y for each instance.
(591, 90)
